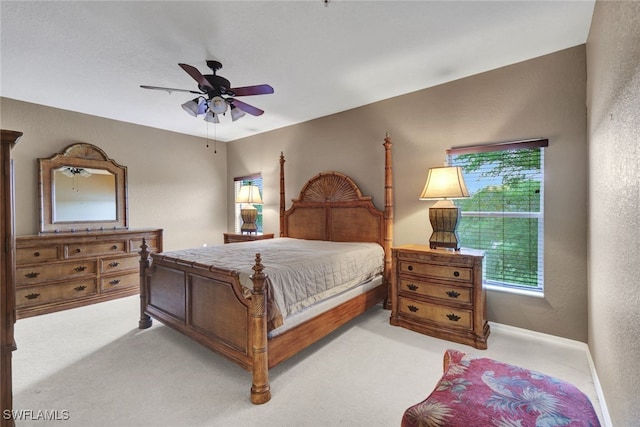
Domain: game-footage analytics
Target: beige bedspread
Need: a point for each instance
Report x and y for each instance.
(300, 272)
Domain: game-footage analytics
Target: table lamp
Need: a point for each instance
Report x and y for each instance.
(249, 195)
(444, 183)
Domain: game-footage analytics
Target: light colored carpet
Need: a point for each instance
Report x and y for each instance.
(95, 365)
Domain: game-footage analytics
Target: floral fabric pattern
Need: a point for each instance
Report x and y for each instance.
(482, 392)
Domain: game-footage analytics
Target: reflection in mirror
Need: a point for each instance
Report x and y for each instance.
(84, 194)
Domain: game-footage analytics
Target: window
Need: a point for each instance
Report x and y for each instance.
(504, 215)
(239, 182)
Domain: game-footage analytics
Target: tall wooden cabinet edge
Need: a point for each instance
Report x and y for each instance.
(59, 271)
(8, 140)
(440, 293)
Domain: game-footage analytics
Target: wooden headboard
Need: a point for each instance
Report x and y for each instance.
(331, 207)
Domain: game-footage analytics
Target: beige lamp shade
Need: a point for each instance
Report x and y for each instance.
(444, 182)
(249, 194)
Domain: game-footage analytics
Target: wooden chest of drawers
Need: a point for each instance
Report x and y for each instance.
(58, 271)
(439, 293)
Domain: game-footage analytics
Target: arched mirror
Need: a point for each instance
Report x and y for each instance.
(81, 189)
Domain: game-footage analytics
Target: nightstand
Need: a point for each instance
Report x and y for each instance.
(237, 237)
(440, 293)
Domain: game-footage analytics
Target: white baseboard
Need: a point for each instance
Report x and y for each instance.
(606, 421)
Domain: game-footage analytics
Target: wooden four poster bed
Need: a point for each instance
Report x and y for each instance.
(228, 309)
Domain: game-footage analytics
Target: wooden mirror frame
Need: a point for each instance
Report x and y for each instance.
(81, 155)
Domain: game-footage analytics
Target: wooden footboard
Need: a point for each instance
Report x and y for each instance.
(208, 305)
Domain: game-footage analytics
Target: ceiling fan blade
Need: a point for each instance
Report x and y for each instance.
(169, 89)
(254, 111)
(197, 76)
(252, 90)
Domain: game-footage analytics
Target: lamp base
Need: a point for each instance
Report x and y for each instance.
(249, 228)
(444, 222)
(249, 216)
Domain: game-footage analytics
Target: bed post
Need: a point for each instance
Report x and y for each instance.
(260, 390)
(282, 201)
(145, 319)
(388, 213)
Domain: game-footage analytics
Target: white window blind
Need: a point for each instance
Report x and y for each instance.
(239, 182)
(504, 215)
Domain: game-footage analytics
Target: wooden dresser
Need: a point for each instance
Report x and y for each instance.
(440, 293)
(237, 237)
(58, 271)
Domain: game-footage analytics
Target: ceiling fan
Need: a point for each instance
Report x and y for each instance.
(216, 95)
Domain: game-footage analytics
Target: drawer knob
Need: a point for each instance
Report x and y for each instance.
(412, 287)
(36, 254)
(80, 268)
(453, 294)
(114, 264)
(453, 317)
(410, 267)
(114, 282)
(80, 288)
(32, 275)
(456, 274)
(78, 250)
(412, 308)
(114, 247)
(32, 296)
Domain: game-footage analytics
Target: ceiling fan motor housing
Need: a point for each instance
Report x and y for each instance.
(221, 84)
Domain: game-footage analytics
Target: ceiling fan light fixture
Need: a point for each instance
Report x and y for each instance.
(202, 106)
(211, 117)
(195, 106)
(218, 105)
(236, 113)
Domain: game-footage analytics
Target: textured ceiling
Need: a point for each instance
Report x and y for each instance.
(92, 57)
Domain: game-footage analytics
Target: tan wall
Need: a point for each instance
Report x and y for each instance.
(175, 182)
(613, 52)
(544, 97)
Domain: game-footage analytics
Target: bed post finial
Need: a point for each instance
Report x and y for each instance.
(260, 389)
(388, 210)
(282, 201)
(145, 319)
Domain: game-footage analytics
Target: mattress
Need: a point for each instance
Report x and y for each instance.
(300, 272)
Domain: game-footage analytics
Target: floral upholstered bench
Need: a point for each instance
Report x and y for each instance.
(482, 392)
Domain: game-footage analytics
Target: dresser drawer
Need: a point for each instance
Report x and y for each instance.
(119, 282)
(79, 250)
(44, 294)
(152, 243)
(435, 270)
(112, 265)
(41, 273)
(440, 314)
(462, 295)
(37, 254)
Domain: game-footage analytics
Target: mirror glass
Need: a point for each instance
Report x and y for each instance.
(84, 194)
(81, 189)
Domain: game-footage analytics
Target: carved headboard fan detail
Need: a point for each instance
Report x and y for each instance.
(330, 187)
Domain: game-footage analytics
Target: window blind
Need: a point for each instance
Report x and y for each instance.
(504, 215)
